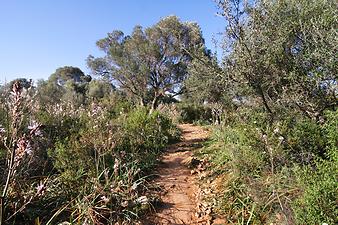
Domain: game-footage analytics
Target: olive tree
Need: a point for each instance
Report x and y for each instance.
(285, 51)
(151, 63)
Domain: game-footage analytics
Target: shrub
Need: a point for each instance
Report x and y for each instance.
(98, 159)
(101, 167)
(245, 148)
(190, 113)
(143, 136)
(306, 141)
(318, 201)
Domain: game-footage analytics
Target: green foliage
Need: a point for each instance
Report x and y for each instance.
(275, 93)
(246, 149)
(151, 61)
(70, 84)
(330, 128)
(284, 51)
(267, 172)
(144, 135)
(277, 142)
(98, 158)
(306, 141)
(112, 154)
(190, 113)
(99, 89)
(318, 202)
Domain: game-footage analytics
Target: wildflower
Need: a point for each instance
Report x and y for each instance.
(16, 90)
(2, 130)
(276, 130)
(281, 138)
(40, 189)
(28, 149)
(134, 186)
(34, 128)
(20, 150)
(116, 167)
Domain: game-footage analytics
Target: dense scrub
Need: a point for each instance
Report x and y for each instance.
(277, 85)
(277, 173)
(86, 164)
(78, 149)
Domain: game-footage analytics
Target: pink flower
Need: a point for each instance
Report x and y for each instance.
(40, 189)
(34, 128)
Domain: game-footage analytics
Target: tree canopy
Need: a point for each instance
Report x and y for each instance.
(150, 63)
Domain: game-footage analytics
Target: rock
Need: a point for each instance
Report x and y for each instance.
(191, 162)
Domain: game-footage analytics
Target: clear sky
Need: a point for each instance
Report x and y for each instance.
(38, 36)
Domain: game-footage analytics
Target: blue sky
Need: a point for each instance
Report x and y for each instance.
(37, 37)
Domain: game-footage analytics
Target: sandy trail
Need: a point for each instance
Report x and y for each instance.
(177, 183)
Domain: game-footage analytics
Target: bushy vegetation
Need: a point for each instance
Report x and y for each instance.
(271, 180)
(190, 113)
(277, 142)
(82, 164)
(80, 150)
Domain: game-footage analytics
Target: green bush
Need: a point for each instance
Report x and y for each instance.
(143, 136)
(318, 202)
(98, 159)
(245, 148)
(108, 159)
(260, 158)
(306, 141)
(330, 128)
(190, 113)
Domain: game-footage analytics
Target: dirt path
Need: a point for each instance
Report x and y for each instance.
(178, 185)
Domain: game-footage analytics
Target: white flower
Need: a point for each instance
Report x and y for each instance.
(28, 149)
(116, 167)
(281, 138)
(276, 130)
(33, 125)
(124, 203)
(34, 128)
(2, 130)
(40, 188)
(134, 186)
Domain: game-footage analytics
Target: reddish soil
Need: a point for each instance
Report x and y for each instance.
(179, 188)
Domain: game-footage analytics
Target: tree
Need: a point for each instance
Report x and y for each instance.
(99, 89)
(285, 51)
(66, 83)
(206, 81)
(150, 63)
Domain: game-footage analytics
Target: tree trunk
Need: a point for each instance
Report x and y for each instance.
(265, 102)
(154, 103)
(142, 103)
